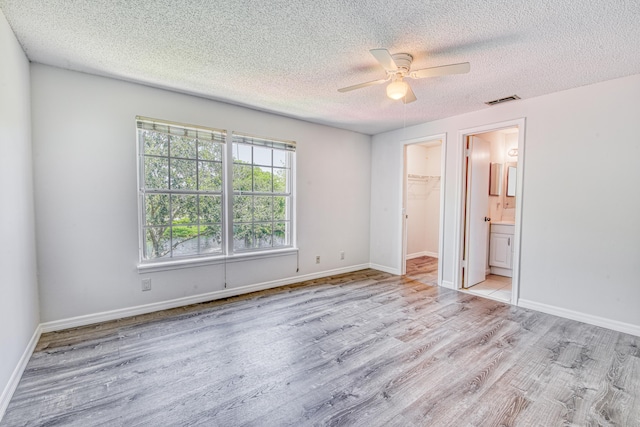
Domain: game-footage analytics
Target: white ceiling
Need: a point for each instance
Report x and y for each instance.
(290, 56)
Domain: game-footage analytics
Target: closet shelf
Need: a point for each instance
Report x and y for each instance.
(414, 177)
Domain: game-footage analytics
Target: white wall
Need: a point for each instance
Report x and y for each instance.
(19, 315)
(85, 187)
(577, 253)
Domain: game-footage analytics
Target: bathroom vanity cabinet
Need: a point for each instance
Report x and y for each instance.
(501, 249)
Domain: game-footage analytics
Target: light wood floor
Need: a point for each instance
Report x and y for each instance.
(364, 349)
(424, 269)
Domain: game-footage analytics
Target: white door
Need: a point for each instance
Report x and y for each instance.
(477, 209)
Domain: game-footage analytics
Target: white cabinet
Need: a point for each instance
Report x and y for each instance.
(501, 249)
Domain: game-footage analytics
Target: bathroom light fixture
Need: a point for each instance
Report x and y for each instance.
(513, 152)
(397, 89)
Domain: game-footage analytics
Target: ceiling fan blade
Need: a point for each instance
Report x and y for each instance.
(361, 85)
(410, 96)
(441, 71)
(385, 59)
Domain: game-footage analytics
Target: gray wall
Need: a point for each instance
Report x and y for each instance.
(581, 203)
(19, 317)
(86, 194)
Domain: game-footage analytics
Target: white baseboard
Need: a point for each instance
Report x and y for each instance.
(386, 269)
(423, 253)
(499, 271)
(449, 285)
(615, 325)
(14, 379)
(89, 319)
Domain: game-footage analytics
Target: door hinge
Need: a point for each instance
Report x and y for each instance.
(467, 152)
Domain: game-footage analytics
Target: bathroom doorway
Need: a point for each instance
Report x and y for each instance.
(490, 201)
(422, 210)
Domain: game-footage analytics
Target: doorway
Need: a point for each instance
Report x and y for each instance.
(422, 209)
(491, 196)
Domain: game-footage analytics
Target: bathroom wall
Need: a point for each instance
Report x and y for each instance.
(502, 208)
(508, 209)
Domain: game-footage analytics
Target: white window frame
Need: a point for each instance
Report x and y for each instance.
(200, 134)
(227, 252)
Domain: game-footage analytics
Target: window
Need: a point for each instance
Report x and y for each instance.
(261, 193)
(191, 207)
(181, 187)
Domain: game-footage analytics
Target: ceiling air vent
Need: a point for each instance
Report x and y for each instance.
(501, 100)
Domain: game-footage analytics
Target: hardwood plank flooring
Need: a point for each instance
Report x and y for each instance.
(424, 269)
(361, 349)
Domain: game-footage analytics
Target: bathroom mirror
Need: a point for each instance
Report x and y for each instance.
(495, 179)
(511, 180)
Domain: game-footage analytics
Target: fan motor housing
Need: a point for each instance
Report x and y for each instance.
(403, 62)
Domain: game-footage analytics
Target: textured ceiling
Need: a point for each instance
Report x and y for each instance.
(291, 56)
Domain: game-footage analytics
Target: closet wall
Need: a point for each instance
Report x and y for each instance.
(423, 199)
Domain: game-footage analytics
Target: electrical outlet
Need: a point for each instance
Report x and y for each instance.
(146, 284)
(342, 255)
(318, 259)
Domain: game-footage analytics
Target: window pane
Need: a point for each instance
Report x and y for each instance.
(182, 146)
(155, 143)
(183, 175)
(241, 153)
(280, 180)
(263, 232)
(210, 239)
(280, 158)
(262, 156)
(280, 208)
(262, 179)
(281, 234)
(242, 236)
(210, 176)
(184, 240)
(156, 208)
(262, 208)
(156, 242)
(156, 173)
(210, 209)
(242, 208)
(242, 180)
(209, 150)
(183, 232)
(184, 209)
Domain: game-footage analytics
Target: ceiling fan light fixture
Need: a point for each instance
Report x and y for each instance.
(397, 89)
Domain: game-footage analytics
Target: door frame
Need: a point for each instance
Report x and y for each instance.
(443, 169)
(461, 200)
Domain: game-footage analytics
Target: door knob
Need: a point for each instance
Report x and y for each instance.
(487, 219)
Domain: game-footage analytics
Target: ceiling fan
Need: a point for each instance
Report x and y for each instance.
(398, 67)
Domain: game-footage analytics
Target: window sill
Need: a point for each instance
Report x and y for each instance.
(219, 259)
